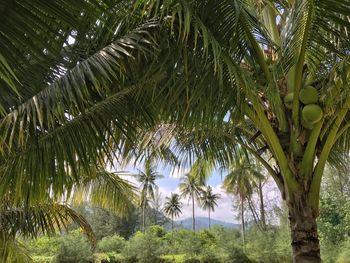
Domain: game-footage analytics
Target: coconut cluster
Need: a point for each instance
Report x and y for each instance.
(311, 113)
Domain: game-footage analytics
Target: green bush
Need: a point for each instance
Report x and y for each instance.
(146, 247)
(344, 255)
(42, 259)
(192, 260)
(44, 246)
(174, 258)
(74, 248)
(237, 255)
(210, 258)
(113, 243)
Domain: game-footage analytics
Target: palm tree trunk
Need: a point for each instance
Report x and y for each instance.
(209, 218)
(305, 242)
(172, 223)
(193, 219)
(262, 205)
(242, 222)
(143, 217)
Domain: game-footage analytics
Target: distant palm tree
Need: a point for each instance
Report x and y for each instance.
(172, 207)
(241, 180)
(191, 186)
(209, 201)
(148, 185)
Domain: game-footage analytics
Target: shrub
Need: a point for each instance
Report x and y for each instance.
(145, 246)
(174, 258)
(42, 259)
(74, 248)
(192, 260)
(210, 258)
(236, 255)
(344, 255)
(113, 243)
(44, 246)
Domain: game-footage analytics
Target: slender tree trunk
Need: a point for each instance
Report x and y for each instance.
(172, 223)
(262, 205)
(305, 242)
(193, 219)
(143, 216)
(209, 218)
(256, 218)
(242, 222)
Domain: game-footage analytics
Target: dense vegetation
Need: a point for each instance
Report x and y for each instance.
(121, 239)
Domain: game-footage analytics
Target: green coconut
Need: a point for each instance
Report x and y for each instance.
(312, 113)
(307, 125)
(288, 100)
(308, 95)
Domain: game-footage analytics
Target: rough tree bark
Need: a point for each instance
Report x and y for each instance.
(305, 242)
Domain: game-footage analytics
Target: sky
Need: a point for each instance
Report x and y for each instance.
(225, 210)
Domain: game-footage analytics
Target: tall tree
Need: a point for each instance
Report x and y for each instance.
(209, 201)
(156, 204)
(191, 186)
(241, 181)
(147, 179)
(172, 207)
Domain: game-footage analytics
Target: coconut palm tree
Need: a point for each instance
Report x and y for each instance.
(241, 181)
(191, 187)
(147, 179)
(209, 201)
(94, 78)
(172, 207)
(192, 183)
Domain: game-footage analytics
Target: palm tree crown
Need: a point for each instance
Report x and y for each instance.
(147, 179)
(209, 200)
(172, 207)
(241, 179)
(191, 187)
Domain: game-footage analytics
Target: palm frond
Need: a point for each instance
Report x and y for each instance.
(30, 222)
(107, 190)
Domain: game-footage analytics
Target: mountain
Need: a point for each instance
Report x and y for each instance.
(202, 222)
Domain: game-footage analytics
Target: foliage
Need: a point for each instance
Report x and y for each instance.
(344, 253)
(236, 255)
(107, 223)
(334, 219)
(271, 245)
(145, 247)
(113, 243)
(67, 109)
(74, 248)
(173, 205)
(191, 260)
(45, 246)
(42, 259)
